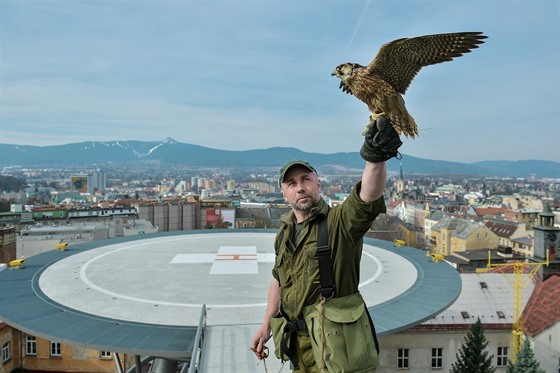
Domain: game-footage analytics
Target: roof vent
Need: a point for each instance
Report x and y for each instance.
(501, 315)
(483, 285)
(465, 314)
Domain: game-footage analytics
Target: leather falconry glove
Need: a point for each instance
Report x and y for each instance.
(381, 141)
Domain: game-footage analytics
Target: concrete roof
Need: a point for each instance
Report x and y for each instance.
(143, 295)
(488, 296)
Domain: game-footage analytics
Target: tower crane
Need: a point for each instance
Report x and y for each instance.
(518, 285)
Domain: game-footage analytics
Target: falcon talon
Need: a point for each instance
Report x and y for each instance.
(373, 117)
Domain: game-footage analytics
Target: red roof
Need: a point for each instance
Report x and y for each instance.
(483, 211)
(501, 229)
(543, 309)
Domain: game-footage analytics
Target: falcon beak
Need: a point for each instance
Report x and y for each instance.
(333, 73)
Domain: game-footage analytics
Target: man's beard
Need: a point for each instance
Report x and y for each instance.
(307, 206)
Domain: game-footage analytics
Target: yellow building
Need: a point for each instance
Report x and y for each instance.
(526, 216)
(21, 351)
(409, 233)
(468, 236)
(441, 235)
(451, 235)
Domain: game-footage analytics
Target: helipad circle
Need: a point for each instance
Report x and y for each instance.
(137, 295)
(165, 280)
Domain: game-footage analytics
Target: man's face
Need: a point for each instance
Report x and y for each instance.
(301, 188)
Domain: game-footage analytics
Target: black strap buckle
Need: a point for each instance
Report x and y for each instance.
(287, 345)
(323, 250)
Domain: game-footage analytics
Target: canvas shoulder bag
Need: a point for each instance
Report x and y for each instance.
(342, 333)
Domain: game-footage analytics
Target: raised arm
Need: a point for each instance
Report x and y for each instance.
(374, 179)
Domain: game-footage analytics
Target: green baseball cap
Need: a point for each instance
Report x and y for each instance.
(291, 164)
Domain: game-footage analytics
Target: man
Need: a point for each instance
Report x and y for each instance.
(295, 282)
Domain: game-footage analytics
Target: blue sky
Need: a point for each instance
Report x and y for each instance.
(240, 75)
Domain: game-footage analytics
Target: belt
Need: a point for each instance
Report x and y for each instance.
(287, 344)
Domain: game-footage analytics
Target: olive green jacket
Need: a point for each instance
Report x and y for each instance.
(296, 267)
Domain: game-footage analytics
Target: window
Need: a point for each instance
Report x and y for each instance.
(502, 357)
(105, 354)
(402, 358)
(437, 357)
(30, 345)
(56, 349)
(6, 355)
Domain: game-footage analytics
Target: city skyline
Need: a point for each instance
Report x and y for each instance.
(249, 75)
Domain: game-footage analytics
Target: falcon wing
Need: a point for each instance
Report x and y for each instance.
(398, 61)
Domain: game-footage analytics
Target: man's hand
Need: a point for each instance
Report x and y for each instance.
(381, 141)
(259, 339)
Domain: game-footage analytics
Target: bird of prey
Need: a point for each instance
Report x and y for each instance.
(382, 83)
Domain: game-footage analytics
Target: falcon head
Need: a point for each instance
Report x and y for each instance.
(345, 72)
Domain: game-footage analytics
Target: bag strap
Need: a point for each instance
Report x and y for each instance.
(324, 258)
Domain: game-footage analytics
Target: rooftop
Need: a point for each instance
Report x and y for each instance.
(485, 296)
(143, 295)
(543, 309)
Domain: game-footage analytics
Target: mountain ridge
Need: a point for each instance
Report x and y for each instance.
(173, 153)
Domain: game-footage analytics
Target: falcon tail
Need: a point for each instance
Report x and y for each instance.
(403, 122)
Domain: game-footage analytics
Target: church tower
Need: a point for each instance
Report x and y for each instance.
(400, 185)
(547, 237)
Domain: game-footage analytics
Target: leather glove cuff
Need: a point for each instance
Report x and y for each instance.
(381, 141)
(372, 155)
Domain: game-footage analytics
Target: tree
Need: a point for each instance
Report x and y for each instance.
(11, 184)
(526, 362)
(473, 357)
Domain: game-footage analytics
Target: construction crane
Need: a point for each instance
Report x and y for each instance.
(518, 285)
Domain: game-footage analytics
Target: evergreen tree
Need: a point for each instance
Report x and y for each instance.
(473, 357)
(526, 362)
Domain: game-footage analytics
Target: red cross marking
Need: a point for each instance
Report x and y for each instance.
(237, 256)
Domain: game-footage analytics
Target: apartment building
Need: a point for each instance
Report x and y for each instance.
(25, 352)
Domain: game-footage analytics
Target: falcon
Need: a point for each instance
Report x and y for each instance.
(381, 84)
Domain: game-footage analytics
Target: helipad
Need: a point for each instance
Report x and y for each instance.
(144, 295)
